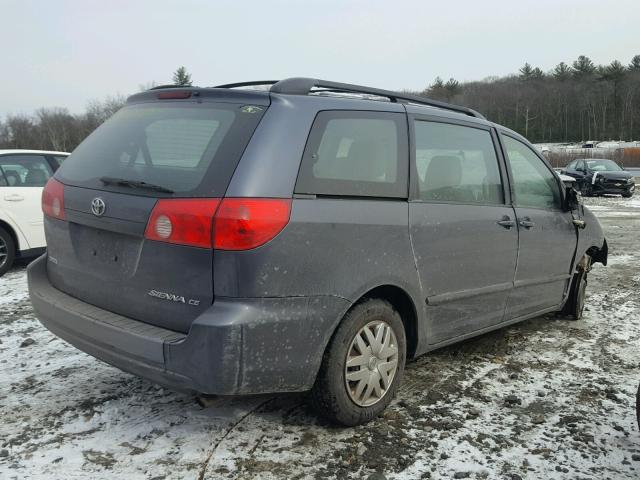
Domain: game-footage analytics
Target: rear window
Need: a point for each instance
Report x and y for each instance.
(191, 149)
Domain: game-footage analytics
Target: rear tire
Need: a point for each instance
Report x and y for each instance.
(7, 251)
(371, 337)
(574, 307)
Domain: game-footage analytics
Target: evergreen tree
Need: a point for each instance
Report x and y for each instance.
(537, 73)
(614, 71)
(452, 87)
(437, 90)
(583, 67)
(634, 66)
(526, 72)
(562, 72)
(182, 77)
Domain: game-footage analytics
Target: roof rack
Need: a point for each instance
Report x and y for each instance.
(171, 85)
(247, 84)
(304, 86)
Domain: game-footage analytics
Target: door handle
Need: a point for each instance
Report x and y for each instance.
(506, 222)
(14, 197)
(526, 223)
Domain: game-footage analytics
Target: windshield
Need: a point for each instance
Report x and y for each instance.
(183, 148)
(603, 166)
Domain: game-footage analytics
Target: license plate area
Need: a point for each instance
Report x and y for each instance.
(104, 250)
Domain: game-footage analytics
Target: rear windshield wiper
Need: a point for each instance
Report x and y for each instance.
(134, 184)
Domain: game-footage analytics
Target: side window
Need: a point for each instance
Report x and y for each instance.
(534, 184)
(25, 170)
(456, 164)
(355, 153)
(572, 165)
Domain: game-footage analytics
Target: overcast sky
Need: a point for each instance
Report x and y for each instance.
(66, 53)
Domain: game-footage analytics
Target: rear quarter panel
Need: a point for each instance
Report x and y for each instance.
(330, 247)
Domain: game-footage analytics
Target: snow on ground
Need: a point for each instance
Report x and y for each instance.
(548, 398)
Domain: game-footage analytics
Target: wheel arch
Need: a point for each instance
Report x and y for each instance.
(404, 304)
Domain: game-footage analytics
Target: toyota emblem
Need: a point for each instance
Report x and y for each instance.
(98, 207)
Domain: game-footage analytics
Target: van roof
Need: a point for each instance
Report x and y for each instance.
(301, 86)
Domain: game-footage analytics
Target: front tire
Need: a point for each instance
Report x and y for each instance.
(362, 365)
(638, 406)
(627, 195)
(574, 307)
(7, 251)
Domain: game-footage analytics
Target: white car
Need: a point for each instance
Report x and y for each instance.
(23, 173)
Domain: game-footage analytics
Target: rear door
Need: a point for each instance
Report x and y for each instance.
(350, 206)
(463, 230)
(24, 175)
(100, 253)
(548, 237)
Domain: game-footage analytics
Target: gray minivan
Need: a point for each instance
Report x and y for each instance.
(312, 236)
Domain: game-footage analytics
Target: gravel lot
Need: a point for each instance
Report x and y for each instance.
(547, 398)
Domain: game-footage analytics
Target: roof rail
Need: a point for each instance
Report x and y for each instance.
(303, 86)
(247, 84)
(171, 85)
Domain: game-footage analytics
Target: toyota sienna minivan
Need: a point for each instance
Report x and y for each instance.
(312, 236)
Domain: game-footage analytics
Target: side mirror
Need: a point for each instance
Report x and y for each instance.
(571, 200)
(567, 180)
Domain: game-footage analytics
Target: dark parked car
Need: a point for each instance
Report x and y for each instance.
(309, 237)
(597, 176)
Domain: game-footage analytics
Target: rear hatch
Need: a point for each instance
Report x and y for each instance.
(185, 146)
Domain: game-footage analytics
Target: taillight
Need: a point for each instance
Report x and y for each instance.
(186, 221)
(53, 199)
(227, 224)
(244, 223)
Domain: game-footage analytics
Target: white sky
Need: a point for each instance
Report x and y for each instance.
(66, 53)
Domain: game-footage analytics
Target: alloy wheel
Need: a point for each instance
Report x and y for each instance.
(4, 252)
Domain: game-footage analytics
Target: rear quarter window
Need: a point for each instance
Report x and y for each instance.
(352, 153)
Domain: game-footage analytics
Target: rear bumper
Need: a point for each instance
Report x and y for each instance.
(236, 347)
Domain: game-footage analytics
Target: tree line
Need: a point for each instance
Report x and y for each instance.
(60, 130)
(573, 102)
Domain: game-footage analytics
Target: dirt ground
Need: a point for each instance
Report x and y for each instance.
(547, 398)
